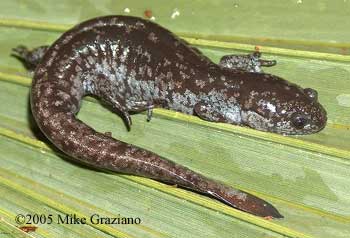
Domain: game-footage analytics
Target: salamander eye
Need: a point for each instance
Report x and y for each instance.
(312, 93)
(299, 121)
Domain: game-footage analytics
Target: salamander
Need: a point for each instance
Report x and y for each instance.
(136, 65)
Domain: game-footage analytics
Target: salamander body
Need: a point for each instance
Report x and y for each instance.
(135, 65)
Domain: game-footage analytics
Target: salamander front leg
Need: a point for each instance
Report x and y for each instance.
(249, 63)
(30, 58)
(142, 106)
(147, 106)
(149, 113)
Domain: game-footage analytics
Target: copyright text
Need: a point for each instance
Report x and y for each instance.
(74, 219)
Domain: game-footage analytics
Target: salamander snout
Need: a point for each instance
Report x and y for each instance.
(309, 117)
(300, 116)
(311, 120)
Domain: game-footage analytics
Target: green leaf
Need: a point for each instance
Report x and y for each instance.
(306, 177)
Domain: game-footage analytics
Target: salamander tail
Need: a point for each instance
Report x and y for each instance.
(246, 202)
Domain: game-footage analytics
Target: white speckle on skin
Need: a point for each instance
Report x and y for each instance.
(271, 107)
(152, 37)
(200, 83)
(343, 100)
(58, 103)
(124, 54)
(307, 127)
(113, 48)
(242, 196)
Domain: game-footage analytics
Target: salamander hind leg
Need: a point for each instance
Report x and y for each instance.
(249, 63)
(121, 110)
(30, 58)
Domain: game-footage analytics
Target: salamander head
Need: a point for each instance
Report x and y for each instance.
(268, 103)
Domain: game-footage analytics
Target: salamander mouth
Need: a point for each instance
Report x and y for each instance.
(255, 121)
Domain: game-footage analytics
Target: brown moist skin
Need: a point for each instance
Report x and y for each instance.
(134, 65)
